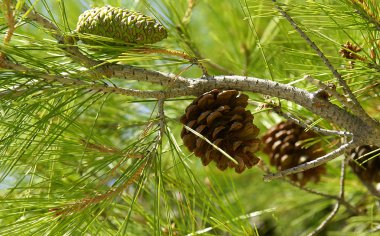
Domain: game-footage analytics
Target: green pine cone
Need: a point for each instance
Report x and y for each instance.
(120, 24)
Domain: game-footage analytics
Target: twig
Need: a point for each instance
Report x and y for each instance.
(337, 205)
(356, 107)
(306, 126)
(350, 207)
(10, 21)
(95, 87)
(327, 220)
(342, 99)
(101, 68)
(342, 178)
(325, 195)
(161, 115)
(187, 40)
(41, 20)
(86, 202)
(223, 224)
(8, 13)
(192, 60)
(311, 164)
(363, 132)
(99, 147)
(190, 6)
(366, 13)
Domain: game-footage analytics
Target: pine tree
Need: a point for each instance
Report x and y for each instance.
(91, 109)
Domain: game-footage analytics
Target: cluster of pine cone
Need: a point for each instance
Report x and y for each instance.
(217, 125)
(350, 51)
(220, 118)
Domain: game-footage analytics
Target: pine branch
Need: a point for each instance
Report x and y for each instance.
(355, 107)
(342, 99)
(337, 205)
(363, 133)
(190, 6)
(161, 116)
(97, 87)
(339, 198)
(356, 126)
(9, 16)
(364, 11)
(97, 67)
(311, 164)
(127, 72)
(306, 126)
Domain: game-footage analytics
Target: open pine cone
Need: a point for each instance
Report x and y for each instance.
(221, 118)
(365, 162)
(285, 145)
(349, 51)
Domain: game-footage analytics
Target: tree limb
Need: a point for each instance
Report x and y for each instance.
(311, 164)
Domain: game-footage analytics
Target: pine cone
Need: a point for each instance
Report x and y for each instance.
(121, 24)
(220, 116)
(349, 51)
(284, 143)
(366, 167)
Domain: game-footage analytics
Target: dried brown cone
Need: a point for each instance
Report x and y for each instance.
(349, 51)
(221, 118)
(365, 162)
(285, 145)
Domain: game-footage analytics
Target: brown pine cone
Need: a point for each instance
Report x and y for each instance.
(349, 51)
(365, 162)
(284, 143)
(220, 116)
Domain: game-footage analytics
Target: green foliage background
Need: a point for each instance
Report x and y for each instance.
(55, 178)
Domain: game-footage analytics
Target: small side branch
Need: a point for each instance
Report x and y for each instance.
(343, 202)
(357, 108)
(326, 221)
(8, 13)
(41, 20)
(9, 16)
(342, 99)
(95, 87)
(161, 115)
(314, 128)
(337, 205)
(84, 203)
(366, 13)
(192, 60)
(311, 164)
(190, 6)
